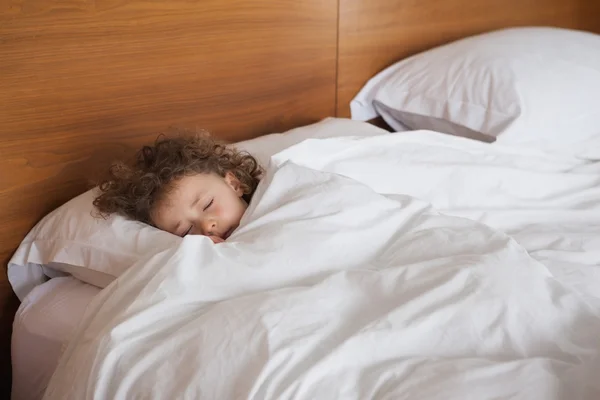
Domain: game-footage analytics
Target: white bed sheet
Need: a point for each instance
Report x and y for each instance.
(331, 290)
(43, 324)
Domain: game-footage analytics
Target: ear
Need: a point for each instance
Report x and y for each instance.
(234, 183)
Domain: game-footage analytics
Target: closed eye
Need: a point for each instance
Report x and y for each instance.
(208, 205)
(187, 232)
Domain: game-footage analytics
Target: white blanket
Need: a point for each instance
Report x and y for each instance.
(329, 290)
(550, 205)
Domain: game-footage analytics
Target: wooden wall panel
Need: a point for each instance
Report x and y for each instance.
(374, 34)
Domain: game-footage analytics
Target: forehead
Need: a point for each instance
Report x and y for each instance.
(186, 187)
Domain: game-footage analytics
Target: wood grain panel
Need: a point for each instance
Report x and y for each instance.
(374, 34)
(85, 81)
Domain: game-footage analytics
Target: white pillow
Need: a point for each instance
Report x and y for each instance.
(535, 86)
(72, 240)
(263, 147)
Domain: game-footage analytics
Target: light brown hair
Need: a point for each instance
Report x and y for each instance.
(134, 190)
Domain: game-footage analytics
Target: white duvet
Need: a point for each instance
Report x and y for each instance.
(343, 282)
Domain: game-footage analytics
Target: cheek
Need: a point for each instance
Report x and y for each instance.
(220, 210)
(215, 210)
(241, 208)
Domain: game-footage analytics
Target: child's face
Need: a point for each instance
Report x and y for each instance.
(202, 204)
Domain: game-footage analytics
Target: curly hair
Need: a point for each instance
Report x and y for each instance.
(134, 190)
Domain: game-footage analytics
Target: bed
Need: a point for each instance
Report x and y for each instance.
(84, 83)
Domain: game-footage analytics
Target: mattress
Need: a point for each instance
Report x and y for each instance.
(43, 324)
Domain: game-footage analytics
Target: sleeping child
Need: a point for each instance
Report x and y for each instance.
(185, 185)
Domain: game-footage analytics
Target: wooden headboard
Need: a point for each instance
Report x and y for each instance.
(84, 82)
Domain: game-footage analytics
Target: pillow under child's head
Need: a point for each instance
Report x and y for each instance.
(75, 240)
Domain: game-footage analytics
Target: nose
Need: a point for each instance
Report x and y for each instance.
(208, 226)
